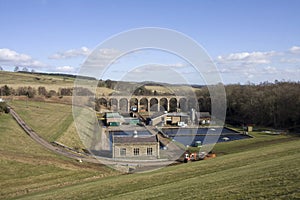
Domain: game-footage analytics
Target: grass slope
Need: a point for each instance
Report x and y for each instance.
(27, 167)
(269, 171)
(51, 82)
(266, 166)
(49, 120)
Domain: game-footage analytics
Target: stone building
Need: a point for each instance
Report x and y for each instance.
(135, 147)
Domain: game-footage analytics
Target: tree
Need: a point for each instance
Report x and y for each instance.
(4, 107)
(24, 69)
(1, 68)
(30, 92)
(42, 91)
(65, 91)
(5, 91)
(16, 69)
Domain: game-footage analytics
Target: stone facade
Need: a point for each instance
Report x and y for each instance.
(141, 147)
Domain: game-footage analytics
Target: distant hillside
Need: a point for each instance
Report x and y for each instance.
(21, 79)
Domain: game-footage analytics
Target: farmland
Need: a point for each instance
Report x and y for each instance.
(16, 80)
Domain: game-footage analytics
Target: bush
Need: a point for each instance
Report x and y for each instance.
(4, 107)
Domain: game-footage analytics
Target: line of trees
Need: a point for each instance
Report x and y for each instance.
(268, 104)
(31, 92)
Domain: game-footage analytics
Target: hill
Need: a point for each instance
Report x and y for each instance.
(26, 167)
(51, 82)
(270, 170)
(266, 166)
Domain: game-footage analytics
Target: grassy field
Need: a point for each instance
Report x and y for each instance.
(50, 82)
(52, 121)
(263, 167)
(265, 172)
(16, 80)
(27, 167)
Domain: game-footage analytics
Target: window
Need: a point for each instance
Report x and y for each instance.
(136, 151)
(149, 151)
(123, 152)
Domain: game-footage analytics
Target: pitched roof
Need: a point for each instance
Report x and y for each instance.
(138, 140)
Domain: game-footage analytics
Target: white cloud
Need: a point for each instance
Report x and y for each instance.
(160, 67)
(102, 57)
(248, 58)
(270, 70)
(10, 57)
(290, 60)
(295, 49)
(65, 69)
(83, 51)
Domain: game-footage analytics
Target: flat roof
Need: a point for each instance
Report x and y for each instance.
(112, 115)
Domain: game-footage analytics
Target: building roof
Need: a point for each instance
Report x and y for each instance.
(181, 114)
(203, 114)
(137, 140)
(112, 115)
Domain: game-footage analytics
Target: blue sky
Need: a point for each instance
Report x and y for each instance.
(254, 40)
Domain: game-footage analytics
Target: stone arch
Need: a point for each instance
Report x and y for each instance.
(154, 105)
(102, 102)
(201, 104)
(113, 102)
(123, 105)
(193, 103)
(133, 102)
(144, 104)
(173, 105)
(207, 104)
(163, 102)
(183, 104)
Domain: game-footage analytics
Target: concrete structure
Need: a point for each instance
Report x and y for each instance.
(150, 103)
(113, 119)
(135, 147)
(174, 118)
(204, 117)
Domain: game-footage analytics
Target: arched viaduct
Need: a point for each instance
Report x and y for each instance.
(151, 103)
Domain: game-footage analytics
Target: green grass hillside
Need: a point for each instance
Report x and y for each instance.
(266, 172)
(263, 167)
(52, 121)
(27, 167)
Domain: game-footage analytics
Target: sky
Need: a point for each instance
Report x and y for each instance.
(248, 41)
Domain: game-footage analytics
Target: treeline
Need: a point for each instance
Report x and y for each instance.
(31, 92)
(267, 104)
(55, 74)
